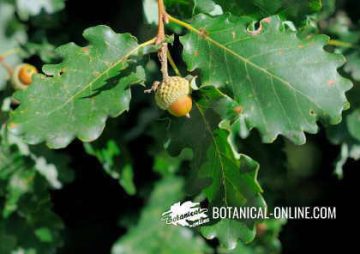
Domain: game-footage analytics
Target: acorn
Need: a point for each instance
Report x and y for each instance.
(173, 95)
(22, 76)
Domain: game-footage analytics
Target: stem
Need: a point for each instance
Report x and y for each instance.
(8, 53)
(203, 34)
(7, 67)
(160, 38)
(173, 65)
(343, 44)
(183, 24)
(162, 17)
(143, 45)
(162, 54)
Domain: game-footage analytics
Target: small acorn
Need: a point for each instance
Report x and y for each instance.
(22, 76)
(173, 95)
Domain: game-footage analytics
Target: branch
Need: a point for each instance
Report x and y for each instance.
(160, 38)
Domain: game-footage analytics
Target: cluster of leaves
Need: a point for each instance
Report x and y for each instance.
(346, 134)
(261, 65)
(28, 224)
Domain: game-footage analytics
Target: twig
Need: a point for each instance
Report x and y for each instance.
(160, 38)
(7, 67)
(9, 53)
(343, 44)
(6, 54)
(162, 54)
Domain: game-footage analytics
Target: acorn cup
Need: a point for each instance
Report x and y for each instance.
(173, 95)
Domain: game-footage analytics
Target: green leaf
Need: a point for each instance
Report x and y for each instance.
(225, 177)
(20, 183)
(15, 177)
(342, 28)
(348, 151)
(78, 94)
(183, 8)
(353, 65)
(266, 241)
(32, 226)
(43, 49)
(282, 83)
(28, 8)
(52, 165)
(350, 146)
(353, 123)
(44, 234)
(188, 8)
(302, 161)
(8, 242)
(166, 164)
(152, 236)
(114, 163)
(263, 8)
(9, 41)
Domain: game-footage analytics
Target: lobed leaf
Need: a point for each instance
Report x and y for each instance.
(225, 177)
(282, 83)
(76, 96)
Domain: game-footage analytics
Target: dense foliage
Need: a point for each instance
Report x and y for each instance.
(265, 79)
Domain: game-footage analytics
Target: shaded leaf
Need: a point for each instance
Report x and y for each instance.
(342, 28)
(114, 163)
(28, 8)
(53, 166)
(350, 146)
(28, 224)
(353, 65)
(9, 41)
(353, 123)
(152, 236)
(263, 8)
(166, 164)
(188, 8)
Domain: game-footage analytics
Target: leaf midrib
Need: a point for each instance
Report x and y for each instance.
(249, 62)
(219, 154)
(99, 77)
(208, 128)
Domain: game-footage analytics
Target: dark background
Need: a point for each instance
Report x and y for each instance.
(93, 203)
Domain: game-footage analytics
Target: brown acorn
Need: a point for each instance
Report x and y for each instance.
(22, 76)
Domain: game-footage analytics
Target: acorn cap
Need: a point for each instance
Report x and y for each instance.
(170, 90)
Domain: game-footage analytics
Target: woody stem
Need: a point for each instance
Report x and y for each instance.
(160, 38)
